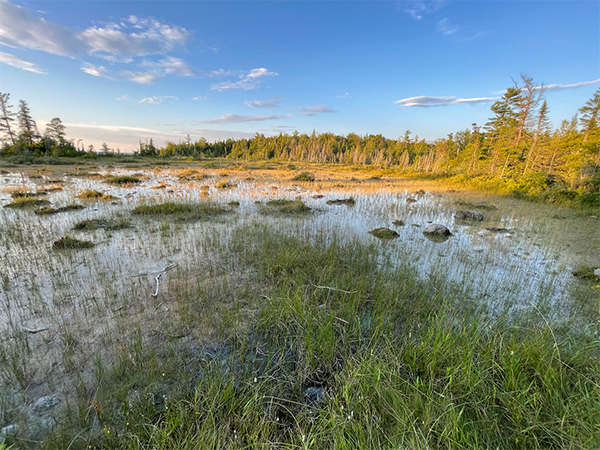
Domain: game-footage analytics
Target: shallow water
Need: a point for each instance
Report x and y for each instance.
(93, 296)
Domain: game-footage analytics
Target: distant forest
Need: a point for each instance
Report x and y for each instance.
(517, 145)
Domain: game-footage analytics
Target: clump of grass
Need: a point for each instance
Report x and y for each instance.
(122, 180)
(181, 211)
(225, 185)
(342, 201)
(384, 233)
(191, 174)
(107, 224)
(234, 203)
(285, 207)
(27, 202)
(18, 193)
(479, 205)
(96, 195)
(398, 223)
(587, 273)
(67, 242)
(304, 176)
(47, 210)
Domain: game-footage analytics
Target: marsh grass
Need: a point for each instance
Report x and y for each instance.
(27, 203)
(304, 176)
(401, 364)
(107, 224)
(69, 243)
(91, 194)
(19, 193)
(285, 207)
(587, 273)
(181, 211)
(48, 210)
(122, 180)
(342, 201)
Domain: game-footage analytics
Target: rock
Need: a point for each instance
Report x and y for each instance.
(318, 196)
(44, 404)
(597, 272)
(384, 233)
(314, 396)
(9, 430)
(410, 200)
(469, 215)
(436, 232)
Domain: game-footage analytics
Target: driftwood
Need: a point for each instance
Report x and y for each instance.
(35, 330)
(334, 289)
(169, 267)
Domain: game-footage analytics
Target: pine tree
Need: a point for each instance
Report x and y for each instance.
(26, 123)
(6, 116)
(56, 130)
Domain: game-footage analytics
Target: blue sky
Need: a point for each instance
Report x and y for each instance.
(120, 72)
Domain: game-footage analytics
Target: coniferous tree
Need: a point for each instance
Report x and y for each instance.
(6, 117)
(28, 128)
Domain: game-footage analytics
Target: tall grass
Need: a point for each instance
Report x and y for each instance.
(399, 363)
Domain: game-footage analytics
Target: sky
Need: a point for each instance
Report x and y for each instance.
(123, 72)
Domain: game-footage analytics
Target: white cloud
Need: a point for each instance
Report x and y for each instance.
(20, 29)
(123, 98)
(428, 102)
(170, 65)
(239, 118)
(271, 103)
(560, 87)
(314, 110)
(150, 37)
(138, 77)
(157, 99)
(446, 28)
(198, 98)
(97, 71)
(20, 63)
(346, 95)
(417, 9)
(248, 81)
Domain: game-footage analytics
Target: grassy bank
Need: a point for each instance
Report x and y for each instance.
(284, 343)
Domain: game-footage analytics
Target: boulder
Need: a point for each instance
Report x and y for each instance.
(384, 233)
(469, 215)
(436, 232)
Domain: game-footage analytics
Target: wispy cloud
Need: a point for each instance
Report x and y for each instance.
(96, 71)
(314, 110)
(417, 9)
(19, 63)
(157, 99)
(271, 103)
(429, 102)
(124, 98)
(20, 29)
(170, 65)
(560, 87)
(138, 77)
(199, 97)
(346, 95)
(248, 81)
(241, 118)
(149, 36)
(446, 28)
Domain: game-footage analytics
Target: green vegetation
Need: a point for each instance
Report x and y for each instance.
(96, 195)
(47, 210)
(384, 233)
(342, 201)
(107, 224)
(181, 211)
(587, 273)
(311, 354)
(285, 207)
(69, 243)
(122, 179)
(27, 202)
(304, 176)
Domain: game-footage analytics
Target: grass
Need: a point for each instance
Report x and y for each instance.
(27, 202)
(107, 224)
(342, 201)
(587, 273)
(304, 176)
(48, 210)
(69, 243)
(285, 207)
(181, 211)
(122, 180)
(91, 194)
(402, 365)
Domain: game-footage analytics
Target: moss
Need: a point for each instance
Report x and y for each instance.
(181, 211)
(47, 210)
(285, 207)
(304, 176)
(96, 195)
(122, 179)
(27, 202)
(94, 224)
(384, 233)
(342, 201)
(68, 242)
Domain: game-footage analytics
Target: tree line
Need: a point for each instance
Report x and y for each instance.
(516, 143)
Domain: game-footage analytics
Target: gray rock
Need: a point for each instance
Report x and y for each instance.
(314, 396)
(44, 404)
(469, 215)
(597, 272)
(9, 430)
(437, 230)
